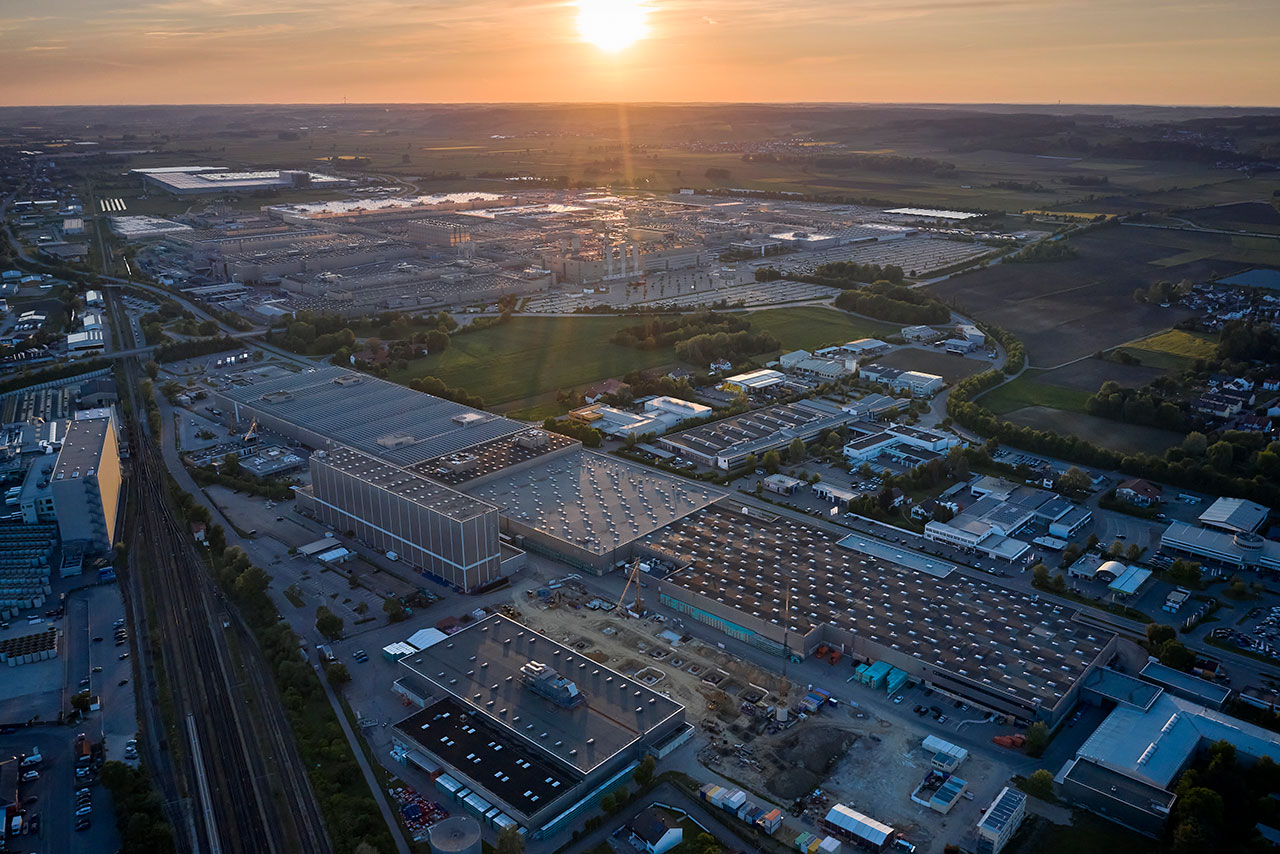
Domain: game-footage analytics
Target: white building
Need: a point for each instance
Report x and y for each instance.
(971, 333)
(916, 382)
(81, 343)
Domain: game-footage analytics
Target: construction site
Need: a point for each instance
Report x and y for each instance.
(797, 745)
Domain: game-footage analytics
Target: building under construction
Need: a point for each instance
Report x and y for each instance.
(517, 725)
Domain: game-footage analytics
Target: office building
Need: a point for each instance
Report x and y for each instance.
(85, 485)
(1001, 820)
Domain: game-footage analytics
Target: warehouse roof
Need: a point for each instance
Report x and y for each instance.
(1154, 745)
(82, 448)
(386, 420)
(592, 501)
(858, 825)
(425, 493)
(759, 429)
(1234, 514)
(1001, 810)
(480, 666)
(1008, 642)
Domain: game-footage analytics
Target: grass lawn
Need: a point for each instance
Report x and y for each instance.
(811, 327)
(1172, 349)
(1026, 391)
(530, 356)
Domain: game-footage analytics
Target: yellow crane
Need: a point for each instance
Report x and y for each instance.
(251, 435)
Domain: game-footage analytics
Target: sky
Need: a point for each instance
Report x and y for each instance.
(1201, 52)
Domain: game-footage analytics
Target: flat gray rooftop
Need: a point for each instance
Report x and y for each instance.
(82, 448)
(593, 501)
(1008, 641)
(759, 427)
(480, 666)
(389, 421)
(406, 484)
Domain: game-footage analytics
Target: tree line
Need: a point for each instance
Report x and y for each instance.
(655, 333)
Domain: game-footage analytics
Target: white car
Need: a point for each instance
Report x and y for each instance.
(30, 775)
(84, 810)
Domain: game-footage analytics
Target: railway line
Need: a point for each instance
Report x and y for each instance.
(236, 771)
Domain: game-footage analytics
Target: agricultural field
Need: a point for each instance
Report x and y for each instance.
(811, 327)
(1125, 438)
(1245, 216)
(1173, 349)
(935, 361)
(1089, 375)
(1030, 390)
(1068, 309)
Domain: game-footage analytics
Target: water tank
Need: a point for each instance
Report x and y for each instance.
(457, 835)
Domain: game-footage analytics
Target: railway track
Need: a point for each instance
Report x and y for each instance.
(239, 769)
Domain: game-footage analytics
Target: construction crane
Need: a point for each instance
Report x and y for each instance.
(251, 435)
(785, 688)
(633, 577)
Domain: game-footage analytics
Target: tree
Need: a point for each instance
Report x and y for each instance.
(1176, 655)
(152, 368)
(394, 610)
(80, 702)
(509, 841)
(1059, 583)
(231, 464)
(437, 341)
(607, 802)
(1038, 736)
(328, 623)
(1115, 550)
(750, 461)
(1195, 443)
(1040, 575)
(1158, 635)
(337, 673)
(1221, 455)
(1075, 480)
(643, 774)
(796, 451)
(1040, 785)
(772, 462)
(1133, 552)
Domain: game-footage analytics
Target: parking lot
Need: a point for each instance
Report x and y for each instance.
(50, 801)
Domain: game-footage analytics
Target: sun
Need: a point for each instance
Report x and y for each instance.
(612, 25)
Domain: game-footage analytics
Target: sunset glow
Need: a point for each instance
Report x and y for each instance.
(612, 25)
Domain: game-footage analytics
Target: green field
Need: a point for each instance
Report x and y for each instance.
(1026, 391)
(811, 327)
(528, 358)
(532, 356)
(1172, 349)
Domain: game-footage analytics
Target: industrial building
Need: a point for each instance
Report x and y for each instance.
(329, 404)
(445, 533)
(585, 508)
(1001, 820)
(725, 444)
(899, 436)
(916, 382)
(518, 724)
(1002, 650)
(85, 485)
(657, 415)
(202, 180)
(751, 382)
(1243, 550)
(1234, 515)
(1127, 769)
(987, 525)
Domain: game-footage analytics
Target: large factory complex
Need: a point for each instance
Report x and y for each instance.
(564, 250)
(437, 482)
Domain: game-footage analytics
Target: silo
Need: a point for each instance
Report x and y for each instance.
(456, 835)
